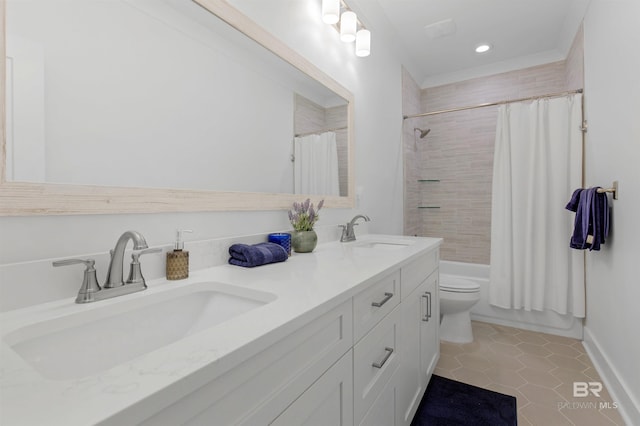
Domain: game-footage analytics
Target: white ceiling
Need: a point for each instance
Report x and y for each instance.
(523, 33)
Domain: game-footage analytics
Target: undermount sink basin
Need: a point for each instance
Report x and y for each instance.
(385, 245)
(92, 341)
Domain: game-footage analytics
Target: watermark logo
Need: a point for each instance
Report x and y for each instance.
(583, 389)
(588, 405)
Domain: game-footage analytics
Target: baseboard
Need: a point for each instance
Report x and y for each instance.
(628, 409)
(574, 332)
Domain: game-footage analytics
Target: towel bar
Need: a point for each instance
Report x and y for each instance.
(613, 189)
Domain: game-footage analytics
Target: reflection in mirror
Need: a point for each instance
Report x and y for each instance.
(158, 94)
(320, 148)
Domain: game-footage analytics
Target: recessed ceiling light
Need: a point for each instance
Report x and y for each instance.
(483, 48)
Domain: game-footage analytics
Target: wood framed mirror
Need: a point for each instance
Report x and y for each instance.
(84, 143)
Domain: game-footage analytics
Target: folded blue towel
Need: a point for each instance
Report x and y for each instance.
(257, 254)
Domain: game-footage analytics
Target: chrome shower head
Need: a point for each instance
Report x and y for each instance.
(423, 133)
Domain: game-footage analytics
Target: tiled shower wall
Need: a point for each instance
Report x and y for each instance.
(448, 174)
(412, 168)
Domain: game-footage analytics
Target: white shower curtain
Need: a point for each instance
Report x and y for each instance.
(316, 164)
(537, 165)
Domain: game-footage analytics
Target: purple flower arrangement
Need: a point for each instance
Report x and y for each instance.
(303, 215)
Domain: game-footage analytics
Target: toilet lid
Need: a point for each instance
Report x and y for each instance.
(458, 285)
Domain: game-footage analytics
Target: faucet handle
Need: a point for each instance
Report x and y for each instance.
(136, 254)
(135, 271)
(89, 263)
(89, 283)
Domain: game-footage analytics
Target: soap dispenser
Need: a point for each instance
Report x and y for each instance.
(178, 259)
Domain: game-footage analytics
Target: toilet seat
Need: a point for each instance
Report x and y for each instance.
(458, 285)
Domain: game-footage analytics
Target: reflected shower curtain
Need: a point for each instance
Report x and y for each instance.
(316, 164)
(537, 165)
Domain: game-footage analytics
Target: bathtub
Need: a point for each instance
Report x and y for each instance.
(545, 322)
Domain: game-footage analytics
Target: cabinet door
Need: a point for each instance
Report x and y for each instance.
(420, 346)
(260, 388)
(430, 326)
(329, 401)
(383, 410)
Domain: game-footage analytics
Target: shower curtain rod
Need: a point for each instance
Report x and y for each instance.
(551, 95)
(297, 135)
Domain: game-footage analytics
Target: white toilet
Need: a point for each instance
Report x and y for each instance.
(457, 296)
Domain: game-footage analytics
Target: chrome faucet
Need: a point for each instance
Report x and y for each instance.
(116, 268)
(348, 233)
(90, 291)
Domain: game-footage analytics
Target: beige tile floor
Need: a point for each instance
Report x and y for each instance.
(538, 369)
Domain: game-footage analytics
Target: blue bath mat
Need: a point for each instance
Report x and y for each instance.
(449, 403)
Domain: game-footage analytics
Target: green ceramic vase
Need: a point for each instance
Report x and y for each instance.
(304, 241)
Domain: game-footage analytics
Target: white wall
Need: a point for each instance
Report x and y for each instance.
(376, 83)
(612, 96)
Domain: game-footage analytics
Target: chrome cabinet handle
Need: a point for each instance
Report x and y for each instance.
(425, 317)
(384, 360)
(387, 296)
(427, 297)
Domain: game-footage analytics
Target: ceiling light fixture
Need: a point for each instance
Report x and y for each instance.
(363, 43)
(330, 11)
(483, 48)
(345, 21)
(348, 26)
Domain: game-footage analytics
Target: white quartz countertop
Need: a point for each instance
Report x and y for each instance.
(305, 286)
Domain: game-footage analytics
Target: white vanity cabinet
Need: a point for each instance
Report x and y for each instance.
(347, 335)
(420, 340)
(392, 399)
(305, 368)
(361, 380)
(366, 362)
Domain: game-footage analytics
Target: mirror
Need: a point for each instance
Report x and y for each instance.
(160, 105)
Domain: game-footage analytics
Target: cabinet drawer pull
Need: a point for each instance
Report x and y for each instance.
(384, 360)
(387, 296)
(427, 310)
